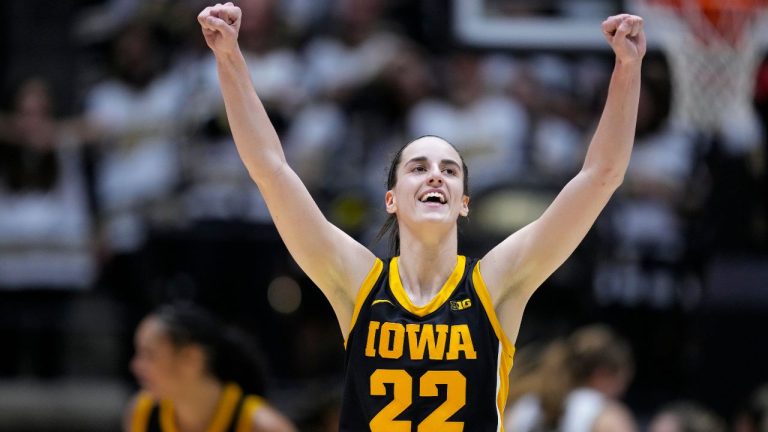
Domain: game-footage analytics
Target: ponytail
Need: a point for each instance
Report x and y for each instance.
(239, 361)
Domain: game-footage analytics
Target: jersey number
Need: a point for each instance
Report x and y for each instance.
(402, 382)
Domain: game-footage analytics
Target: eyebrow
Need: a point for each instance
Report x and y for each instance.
(443, 162)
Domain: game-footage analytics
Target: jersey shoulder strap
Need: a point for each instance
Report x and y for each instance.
(362, 294)
(249, 405)
(146, 414)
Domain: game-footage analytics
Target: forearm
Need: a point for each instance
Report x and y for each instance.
(255, 137)
(610, 149)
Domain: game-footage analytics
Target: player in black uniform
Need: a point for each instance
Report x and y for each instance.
(429, 334)
(197, 374)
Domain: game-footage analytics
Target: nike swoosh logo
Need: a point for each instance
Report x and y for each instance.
(382, 301)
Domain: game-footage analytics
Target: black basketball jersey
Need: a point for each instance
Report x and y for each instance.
(233, 414)
(441, 367)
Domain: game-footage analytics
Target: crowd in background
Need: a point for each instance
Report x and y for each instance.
(130, 192)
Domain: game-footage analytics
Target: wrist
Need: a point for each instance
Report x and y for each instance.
(631, 63)
(230, 57)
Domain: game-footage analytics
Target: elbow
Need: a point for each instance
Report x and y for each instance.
(264, 170)
(614, 179)
(606, 177)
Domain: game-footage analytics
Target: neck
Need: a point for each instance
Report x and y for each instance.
(196, 406)
(426, 262)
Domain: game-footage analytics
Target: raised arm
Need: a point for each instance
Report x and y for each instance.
(519, 264)
(333, 260)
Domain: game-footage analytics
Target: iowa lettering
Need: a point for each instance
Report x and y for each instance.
(388, 340)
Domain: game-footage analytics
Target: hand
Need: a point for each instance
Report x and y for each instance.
(625, 34)
(221, 25)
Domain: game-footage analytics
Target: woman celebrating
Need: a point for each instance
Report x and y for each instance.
(429, 334)
(197, 375)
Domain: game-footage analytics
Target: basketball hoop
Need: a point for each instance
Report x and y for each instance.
(713, 54)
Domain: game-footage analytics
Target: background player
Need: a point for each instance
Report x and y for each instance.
(574, 385)
(197, 374)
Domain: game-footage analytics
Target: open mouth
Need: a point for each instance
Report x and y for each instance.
(433, 197)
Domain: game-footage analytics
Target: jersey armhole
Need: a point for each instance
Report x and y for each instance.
(485, 299)
(362, 294)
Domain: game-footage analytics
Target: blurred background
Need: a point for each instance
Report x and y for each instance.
(121, 189)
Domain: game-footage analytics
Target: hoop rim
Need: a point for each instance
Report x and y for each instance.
(718, 22)
(712, 5)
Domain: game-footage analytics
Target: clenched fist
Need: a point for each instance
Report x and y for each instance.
(221, 25)
(625, 34)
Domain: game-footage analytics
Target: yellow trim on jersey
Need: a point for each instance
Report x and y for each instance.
(226, 409)
(505, 366)
(141, 412)
(506, 360)
(447, 289)
(485, 299)
(221, 419)
(250, 405)
(362, 293)
(167, 420)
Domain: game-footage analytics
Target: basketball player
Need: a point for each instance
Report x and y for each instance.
(575, 385)
(429, 334)
(197, 375)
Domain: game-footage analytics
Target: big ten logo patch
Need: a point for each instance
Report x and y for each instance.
(461, 304)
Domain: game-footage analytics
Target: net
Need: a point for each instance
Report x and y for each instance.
(713, 52)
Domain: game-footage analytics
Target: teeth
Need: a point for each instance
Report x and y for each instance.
(435, 195)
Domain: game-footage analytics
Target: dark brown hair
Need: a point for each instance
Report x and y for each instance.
(390, 225)
(24, 168)
(231, 354)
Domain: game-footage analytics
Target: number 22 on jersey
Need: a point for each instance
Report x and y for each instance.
(437, 420)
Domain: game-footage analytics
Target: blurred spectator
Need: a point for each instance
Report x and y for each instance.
(356, 50)
(274, 65)
(304, 16)
(574, 386)
(136, 111)
(403, 83)
(216, 181)
(45, 230)
(341, 64)
(645, 239)
(565, 97)
(489, 129)
(45, 225)
(198, 374)
(685, 416)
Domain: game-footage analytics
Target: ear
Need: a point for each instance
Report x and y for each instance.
(389, 202)
(464, 206)
(193, 358)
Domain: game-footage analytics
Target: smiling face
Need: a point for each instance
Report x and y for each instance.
(430, 184)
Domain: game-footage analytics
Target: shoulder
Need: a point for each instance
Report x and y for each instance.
(614, 417)
(265, 418)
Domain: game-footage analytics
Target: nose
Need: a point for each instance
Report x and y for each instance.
(435, 176)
